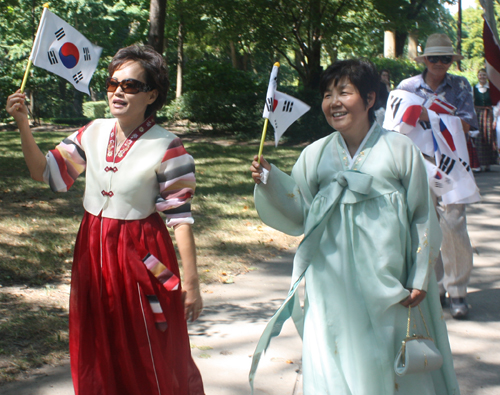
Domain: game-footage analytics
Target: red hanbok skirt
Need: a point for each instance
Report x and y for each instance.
(115, 346)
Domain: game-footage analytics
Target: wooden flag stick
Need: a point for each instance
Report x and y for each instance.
(35, 43)
(26, 74)
(270, 89)
(263, 138)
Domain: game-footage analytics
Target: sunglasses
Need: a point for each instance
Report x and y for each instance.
(128, 86)
(445, 59)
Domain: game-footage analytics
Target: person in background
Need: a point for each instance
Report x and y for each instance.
(384, 88)
(454, 264)
(486, 141)
(382, 96)
(128, 312)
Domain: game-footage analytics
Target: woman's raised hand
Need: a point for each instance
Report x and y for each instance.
(257, 167)
(16, 106)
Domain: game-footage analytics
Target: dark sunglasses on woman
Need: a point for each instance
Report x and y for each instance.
(445, 59)
(128, 86)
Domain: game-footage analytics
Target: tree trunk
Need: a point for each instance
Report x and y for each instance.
(245, 61)
(78, 103)
(314, 69)
(31, 106)
(389, 44)
(157, 11)
(62, 96)
(413, 45)
(459, 34)
(313, 55)
(234, 57)
(332, 53)
(401, 38)
(180, 60)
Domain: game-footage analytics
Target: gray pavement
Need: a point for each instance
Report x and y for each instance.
(224, 338)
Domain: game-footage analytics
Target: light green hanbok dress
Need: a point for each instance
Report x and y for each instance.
(370, 234)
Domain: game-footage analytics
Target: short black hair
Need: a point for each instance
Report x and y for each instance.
(361, 73)
(153, 64)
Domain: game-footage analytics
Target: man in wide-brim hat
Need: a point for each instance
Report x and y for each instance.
(438, 45)
(454, 265)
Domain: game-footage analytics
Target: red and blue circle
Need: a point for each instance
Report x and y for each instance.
(69, 55)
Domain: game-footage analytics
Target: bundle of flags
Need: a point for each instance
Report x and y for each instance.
(439, 105)
(442, 138)
(62, 50)
(281, 109)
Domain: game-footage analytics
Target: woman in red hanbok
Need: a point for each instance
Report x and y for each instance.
(128, 332)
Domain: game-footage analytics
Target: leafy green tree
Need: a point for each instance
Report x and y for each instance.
(472, 36)
(108, 24)
(472, 39)
(422, 16)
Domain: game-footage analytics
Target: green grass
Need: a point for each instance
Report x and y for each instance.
(38, 230)
(37, 227)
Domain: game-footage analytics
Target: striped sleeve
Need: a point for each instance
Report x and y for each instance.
(177, 184)
(66, 162)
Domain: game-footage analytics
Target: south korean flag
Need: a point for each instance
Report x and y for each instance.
(441, 138)
(281, 109)
(62, 50)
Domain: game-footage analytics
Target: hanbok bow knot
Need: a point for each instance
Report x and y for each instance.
(354, 181)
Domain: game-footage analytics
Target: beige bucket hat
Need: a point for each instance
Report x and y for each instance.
(438, 44)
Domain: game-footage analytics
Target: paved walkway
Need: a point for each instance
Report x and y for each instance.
(235, 314)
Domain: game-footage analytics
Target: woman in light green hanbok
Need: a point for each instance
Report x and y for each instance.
(360, 197)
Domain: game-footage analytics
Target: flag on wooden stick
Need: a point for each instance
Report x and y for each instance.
(281, 109)
(62, 50)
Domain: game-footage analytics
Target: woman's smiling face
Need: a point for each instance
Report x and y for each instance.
(344, 108)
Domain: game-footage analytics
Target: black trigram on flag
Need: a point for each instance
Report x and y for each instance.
(287, 106)
(466, 165)
(395, 105)
(86, 54)
(60, 33)
(52, 57)
(269, 104)
(425, 124)
(447, 164)
(78, 77)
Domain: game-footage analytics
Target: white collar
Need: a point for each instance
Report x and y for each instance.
(361, 146)
(483, 88)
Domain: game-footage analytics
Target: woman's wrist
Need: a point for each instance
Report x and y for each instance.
(191, 282)
(23, 124)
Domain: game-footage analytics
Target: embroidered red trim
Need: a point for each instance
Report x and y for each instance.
(129, 142)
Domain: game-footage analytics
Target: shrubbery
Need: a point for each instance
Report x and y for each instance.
(77, 121)
(399, 69)
(95, 109)
(219, 95)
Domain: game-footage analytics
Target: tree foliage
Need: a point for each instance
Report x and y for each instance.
(420, 16)
(110, 25)
(222, 51)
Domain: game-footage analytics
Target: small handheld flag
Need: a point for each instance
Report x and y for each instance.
(62, 50)
(280, 109)
(439, 105)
